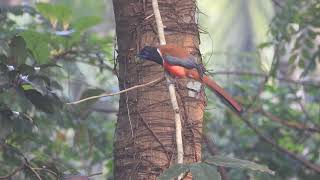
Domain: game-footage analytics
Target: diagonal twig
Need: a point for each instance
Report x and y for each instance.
(270, 141)
(116, 93)
(171, 88)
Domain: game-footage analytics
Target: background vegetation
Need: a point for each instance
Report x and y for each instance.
(265, 52)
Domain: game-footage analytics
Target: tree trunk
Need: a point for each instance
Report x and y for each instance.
(145, 132)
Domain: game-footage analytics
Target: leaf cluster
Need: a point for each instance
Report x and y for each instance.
(39, 135)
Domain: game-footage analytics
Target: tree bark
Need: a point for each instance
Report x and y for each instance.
(145, 132)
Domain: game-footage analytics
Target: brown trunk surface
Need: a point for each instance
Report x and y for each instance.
(145, 131)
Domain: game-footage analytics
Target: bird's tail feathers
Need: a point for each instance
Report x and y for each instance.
(226, 97)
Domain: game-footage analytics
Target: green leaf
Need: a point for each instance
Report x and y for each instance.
(86, 22)
(301, 63)
(27, 86)
(62, 12)
(225, 161)
(306, 54)
(81, 109)
(38, 44)
(18, 49)
(25, 69)
(204, 171)
(46, 103)
(293, 58)
(174, 171)
(45, 9)
(55, 11)
(3, 58)
(265, 44)
(309, 43)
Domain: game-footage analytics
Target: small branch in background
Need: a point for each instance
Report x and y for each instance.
(33, 170)
(172, 91)
(106, 111)
(63, 54)
(95, 174)
(15, 171)
(106, 66)
(26, 165)
(277, 3)
(214, 151)
(303, 108)
(259, 91)
(47, 170)
(301, 159)
(290, 124)
(116, 93)
(263, 75)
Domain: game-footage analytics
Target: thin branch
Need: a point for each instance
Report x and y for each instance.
(290, 124)
(263, 75)
(277, 3)
(106, 110)
(116, 93)
(47, 170)
(171, 88)
(303, 108)
(95, 174)
(33, 170)
(213, 150)
(270, 141)
(63, 54)
(15, 171)
(106, 65)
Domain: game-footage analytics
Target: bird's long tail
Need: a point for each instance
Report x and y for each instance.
(226, 97)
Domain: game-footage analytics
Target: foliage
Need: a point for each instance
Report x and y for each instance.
(206, 170)
(297, 25)
(281, 98)
(39, 134)
(45, 51)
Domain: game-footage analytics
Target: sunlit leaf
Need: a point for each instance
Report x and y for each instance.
(47, 103)
(18, 50)
(226, 161)
(55, 13)
(204, 171)
(174, 171)
(38, 44)
(86, 22)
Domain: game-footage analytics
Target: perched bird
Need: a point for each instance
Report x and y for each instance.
(179, 63)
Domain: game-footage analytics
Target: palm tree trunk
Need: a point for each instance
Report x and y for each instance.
(145, 132)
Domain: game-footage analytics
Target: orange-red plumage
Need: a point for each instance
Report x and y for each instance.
(186, 70)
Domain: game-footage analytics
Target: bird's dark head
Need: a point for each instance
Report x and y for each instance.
(150, 53)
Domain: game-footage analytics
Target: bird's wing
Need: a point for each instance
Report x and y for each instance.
(189, 62)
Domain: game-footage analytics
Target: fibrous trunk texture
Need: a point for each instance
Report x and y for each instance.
(145, 132)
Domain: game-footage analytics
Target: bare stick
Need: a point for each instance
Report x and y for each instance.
(171, 88)
(15, 171)
(299, 158)
(33, 170)
(95, 174)
(116, 93)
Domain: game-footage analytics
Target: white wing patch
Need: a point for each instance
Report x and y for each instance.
(195, 86)
(160, 54)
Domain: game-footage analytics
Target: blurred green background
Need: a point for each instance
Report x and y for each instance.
(266, 53)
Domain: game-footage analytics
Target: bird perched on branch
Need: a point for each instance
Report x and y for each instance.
(179, 63)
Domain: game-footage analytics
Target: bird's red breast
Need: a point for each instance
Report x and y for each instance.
(182, 72)
(173, 50)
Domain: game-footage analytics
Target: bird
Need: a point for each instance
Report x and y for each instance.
(179, 63)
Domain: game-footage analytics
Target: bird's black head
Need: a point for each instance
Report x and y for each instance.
(151, 54)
